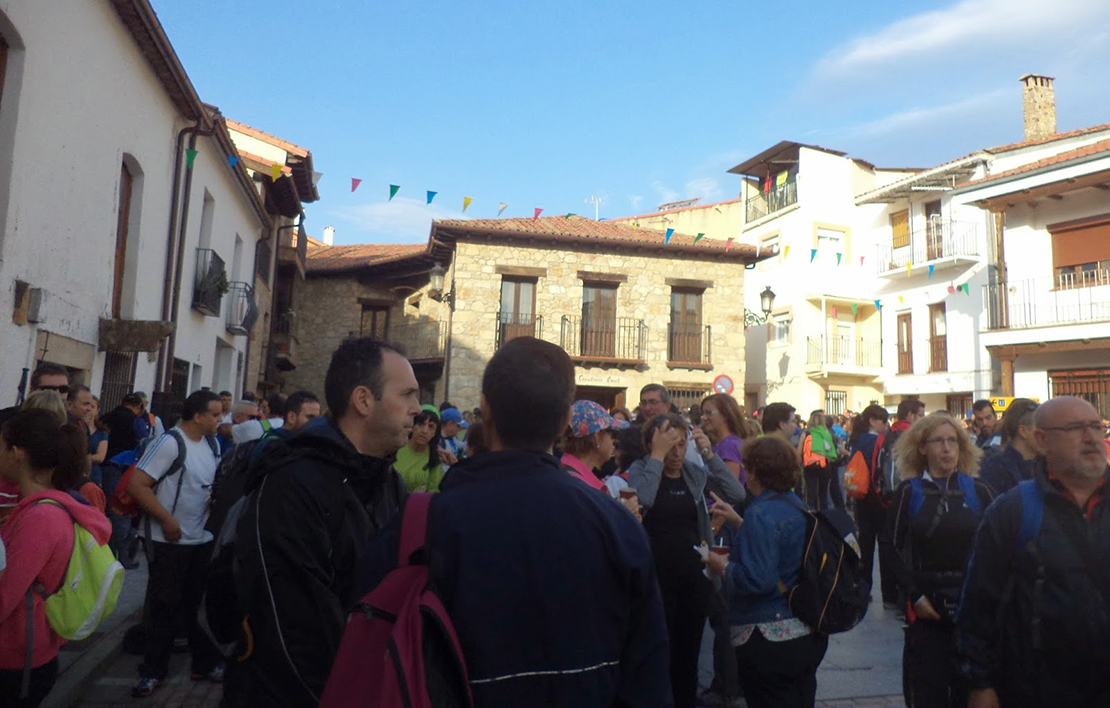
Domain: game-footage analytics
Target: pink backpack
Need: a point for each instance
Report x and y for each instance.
(399, 649)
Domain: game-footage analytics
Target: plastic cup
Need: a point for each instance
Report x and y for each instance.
(720, 550)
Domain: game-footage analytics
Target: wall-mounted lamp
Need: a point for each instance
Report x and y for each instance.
(766, 303)
(435, 287)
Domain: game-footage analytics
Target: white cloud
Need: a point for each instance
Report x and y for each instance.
(666, 194)
(708, 189)
(635, 201)
(915, 118)
(962, 30)
(402, 220)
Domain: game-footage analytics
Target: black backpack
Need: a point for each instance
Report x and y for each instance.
(832, 593)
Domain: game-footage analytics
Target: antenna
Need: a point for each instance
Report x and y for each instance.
(596, 201)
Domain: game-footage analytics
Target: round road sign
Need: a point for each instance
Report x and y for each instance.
(722, 384)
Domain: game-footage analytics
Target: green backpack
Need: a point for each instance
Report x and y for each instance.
(90, 588)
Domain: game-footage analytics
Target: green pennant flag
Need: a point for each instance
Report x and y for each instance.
(698, 237)
(855, 309)
(190, 155)
(570, 214)
(393, 189)
(838, 257)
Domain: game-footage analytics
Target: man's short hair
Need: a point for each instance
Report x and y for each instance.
(357, 362)
(296, 401)
(774, 415)
(276, 402)
(529, 386)
(226, 393)
(981, 404)
(664, 394)
(908, 406)
(445, 405)
(47, 369)
(75, 391)
(197, 402)
(242, 407)
(131, 399)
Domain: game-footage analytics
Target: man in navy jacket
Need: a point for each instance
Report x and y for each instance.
(549, 583)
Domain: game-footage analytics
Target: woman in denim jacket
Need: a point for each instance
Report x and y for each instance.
(777, 654)
(672, 491)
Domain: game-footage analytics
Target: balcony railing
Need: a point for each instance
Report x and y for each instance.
(689, 345)
(846, 352)
(938, 353)
(941, 239)
(242, 311)
(511, 325)
(420, 339)
(1037, 303)
(777, 198)
(210, 282)
(1082, 279)
(620, 338)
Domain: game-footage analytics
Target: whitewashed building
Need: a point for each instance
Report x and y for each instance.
(112, 229)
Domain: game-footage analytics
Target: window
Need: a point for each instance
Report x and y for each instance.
(836, 402)
(1081, 252)
(771, 244)
(207, 213)
(375, 321)
(262, 257)
(958, 405)
(685, 341)
(599, 319)
(938, 338)
(518, 309)
(934, 231)
(900, 228)
(905, 344)
(780, 329)
(119, 378)
(1092, 385)
(122, 220)
(683, 396)
(830, 242)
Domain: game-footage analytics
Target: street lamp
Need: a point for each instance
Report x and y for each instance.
(766, 303)
(436, 279)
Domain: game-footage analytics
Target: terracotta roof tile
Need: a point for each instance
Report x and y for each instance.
(1049, 139)
(1086, 150)
(588, 230)
(265, 137)
(331, 259)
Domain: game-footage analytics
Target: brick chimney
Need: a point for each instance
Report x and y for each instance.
(1039, 103)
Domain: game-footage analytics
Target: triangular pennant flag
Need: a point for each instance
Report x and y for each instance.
(355, 182)
(393, 189)
(190, 155)
(861, 261)
(231, 160)
(832, 311)
(570, 214)
(931, 269)
(466, 203)
(967, 289)
(855, 309)
(275, 172)
(838, 257)
(786, 251)
(951, 289)
(908, 267)
(812, 254)
(316, 177)
(900, 300)
(667, 238)
(700, 236)
(728, 244)
(537, 214)
(502, 207)
(431, 195)
(878, 304)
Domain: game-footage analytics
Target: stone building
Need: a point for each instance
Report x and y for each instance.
(629, 308)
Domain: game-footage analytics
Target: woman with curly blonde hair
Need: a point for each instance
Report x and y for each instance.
(932, 526)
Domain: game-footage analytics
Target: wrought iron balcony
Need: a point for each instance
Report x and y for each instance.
(688, 345)
(1043, 303)
(511, 325)
(210, 282)
(777, 198)
(844, 353)
(620, 340)
(941, 241)
(242, 311)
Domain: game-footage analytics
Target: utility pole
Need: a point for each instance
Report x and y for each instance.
(596, 201)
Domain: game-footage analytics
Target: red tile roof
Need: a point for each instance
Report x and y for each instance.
(265, 137)
(1049, 139)
(586, 231)
(334, 259)
(1086, 150)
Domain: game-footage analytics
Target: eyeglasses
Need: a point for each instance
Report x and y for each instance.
(944, 442)
(649, 402)
(707, 413)
(1093, 426)
(60, 389)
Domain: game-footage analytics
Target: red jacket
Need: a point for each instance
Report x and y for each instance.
(39, 541)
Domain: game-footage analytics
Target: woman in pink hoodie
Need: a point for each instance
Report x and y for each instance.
(41, 458)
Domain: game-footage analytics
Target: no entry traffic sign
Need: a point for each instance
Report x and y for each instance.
(722, 384)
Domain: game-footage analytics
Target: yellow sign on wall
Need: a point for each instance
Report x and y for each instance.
(1001, 403)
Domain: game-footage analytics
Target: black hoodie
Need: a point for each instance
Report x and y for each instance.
(315, 504)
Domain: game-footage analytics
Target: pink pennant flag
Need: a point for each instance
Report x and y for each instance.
(537, 214)
(355, 182)
(728, 244)
(951, 289)
(861, 260)
(832, 311)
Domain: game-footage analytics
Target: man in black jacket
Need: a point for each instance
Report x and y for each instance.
(1033, 627)
(550, 584)
(315, 502)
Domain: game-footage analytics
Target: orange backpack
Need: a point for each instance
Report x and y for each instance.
(809, 457)
(858, 474)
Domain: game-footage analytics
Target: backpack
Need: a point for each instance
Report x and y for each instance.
(123, 504)
(831, 594)
(858, 480)
(967, 486)
(809, 457)
(399, 648)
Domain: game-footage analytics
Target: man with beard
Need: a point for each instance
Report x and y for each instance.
(1033, 628)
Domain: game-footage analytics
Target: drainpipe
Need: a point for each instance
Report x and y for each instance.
(165, 350)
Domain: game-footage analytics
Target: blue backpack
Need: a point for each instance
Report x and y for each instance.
(967, 486)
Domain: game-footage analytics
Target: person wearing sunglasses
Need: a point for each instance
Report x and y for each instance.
(47, 377)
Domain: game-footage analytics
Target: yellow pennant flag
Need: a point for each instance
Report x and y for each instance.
(275, 172)
(786, 251)
(908, 267)
(466, 203)
(899, 299)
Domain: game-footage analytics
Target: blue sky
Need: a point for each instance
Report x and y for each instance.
(639, 103)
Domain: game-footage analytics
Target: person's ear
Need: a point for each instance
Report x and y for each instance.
(362, 400)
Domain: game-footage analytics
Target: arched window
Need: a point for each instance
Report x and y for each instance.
(129, 212)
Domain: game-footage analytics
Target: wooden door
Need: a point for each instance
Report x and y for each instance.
(905, 344)
(599, 320)
(938, 338)
(518, 310)
(934, 231)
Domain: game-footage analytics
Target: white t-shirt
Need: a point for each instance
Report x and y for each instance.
(196, 487)
(252, 429)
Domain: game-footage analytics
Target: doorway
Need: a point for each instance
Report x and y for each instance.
(608, 397)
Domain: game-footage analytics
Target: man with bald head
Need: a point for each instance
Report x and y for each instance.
(1033, 628)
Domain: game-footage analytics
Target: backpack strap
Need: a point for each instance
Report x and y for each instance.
(265, 423)
(917, 496)
(1032, 512)
(971, 499)
(414, 526)
(178, 466)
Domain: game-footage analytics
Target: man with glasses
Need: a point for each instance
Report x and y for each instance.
(47, 377)
(1033, 623)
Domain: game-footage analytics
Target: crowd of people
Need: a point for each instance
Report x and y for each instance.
(581, 553)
